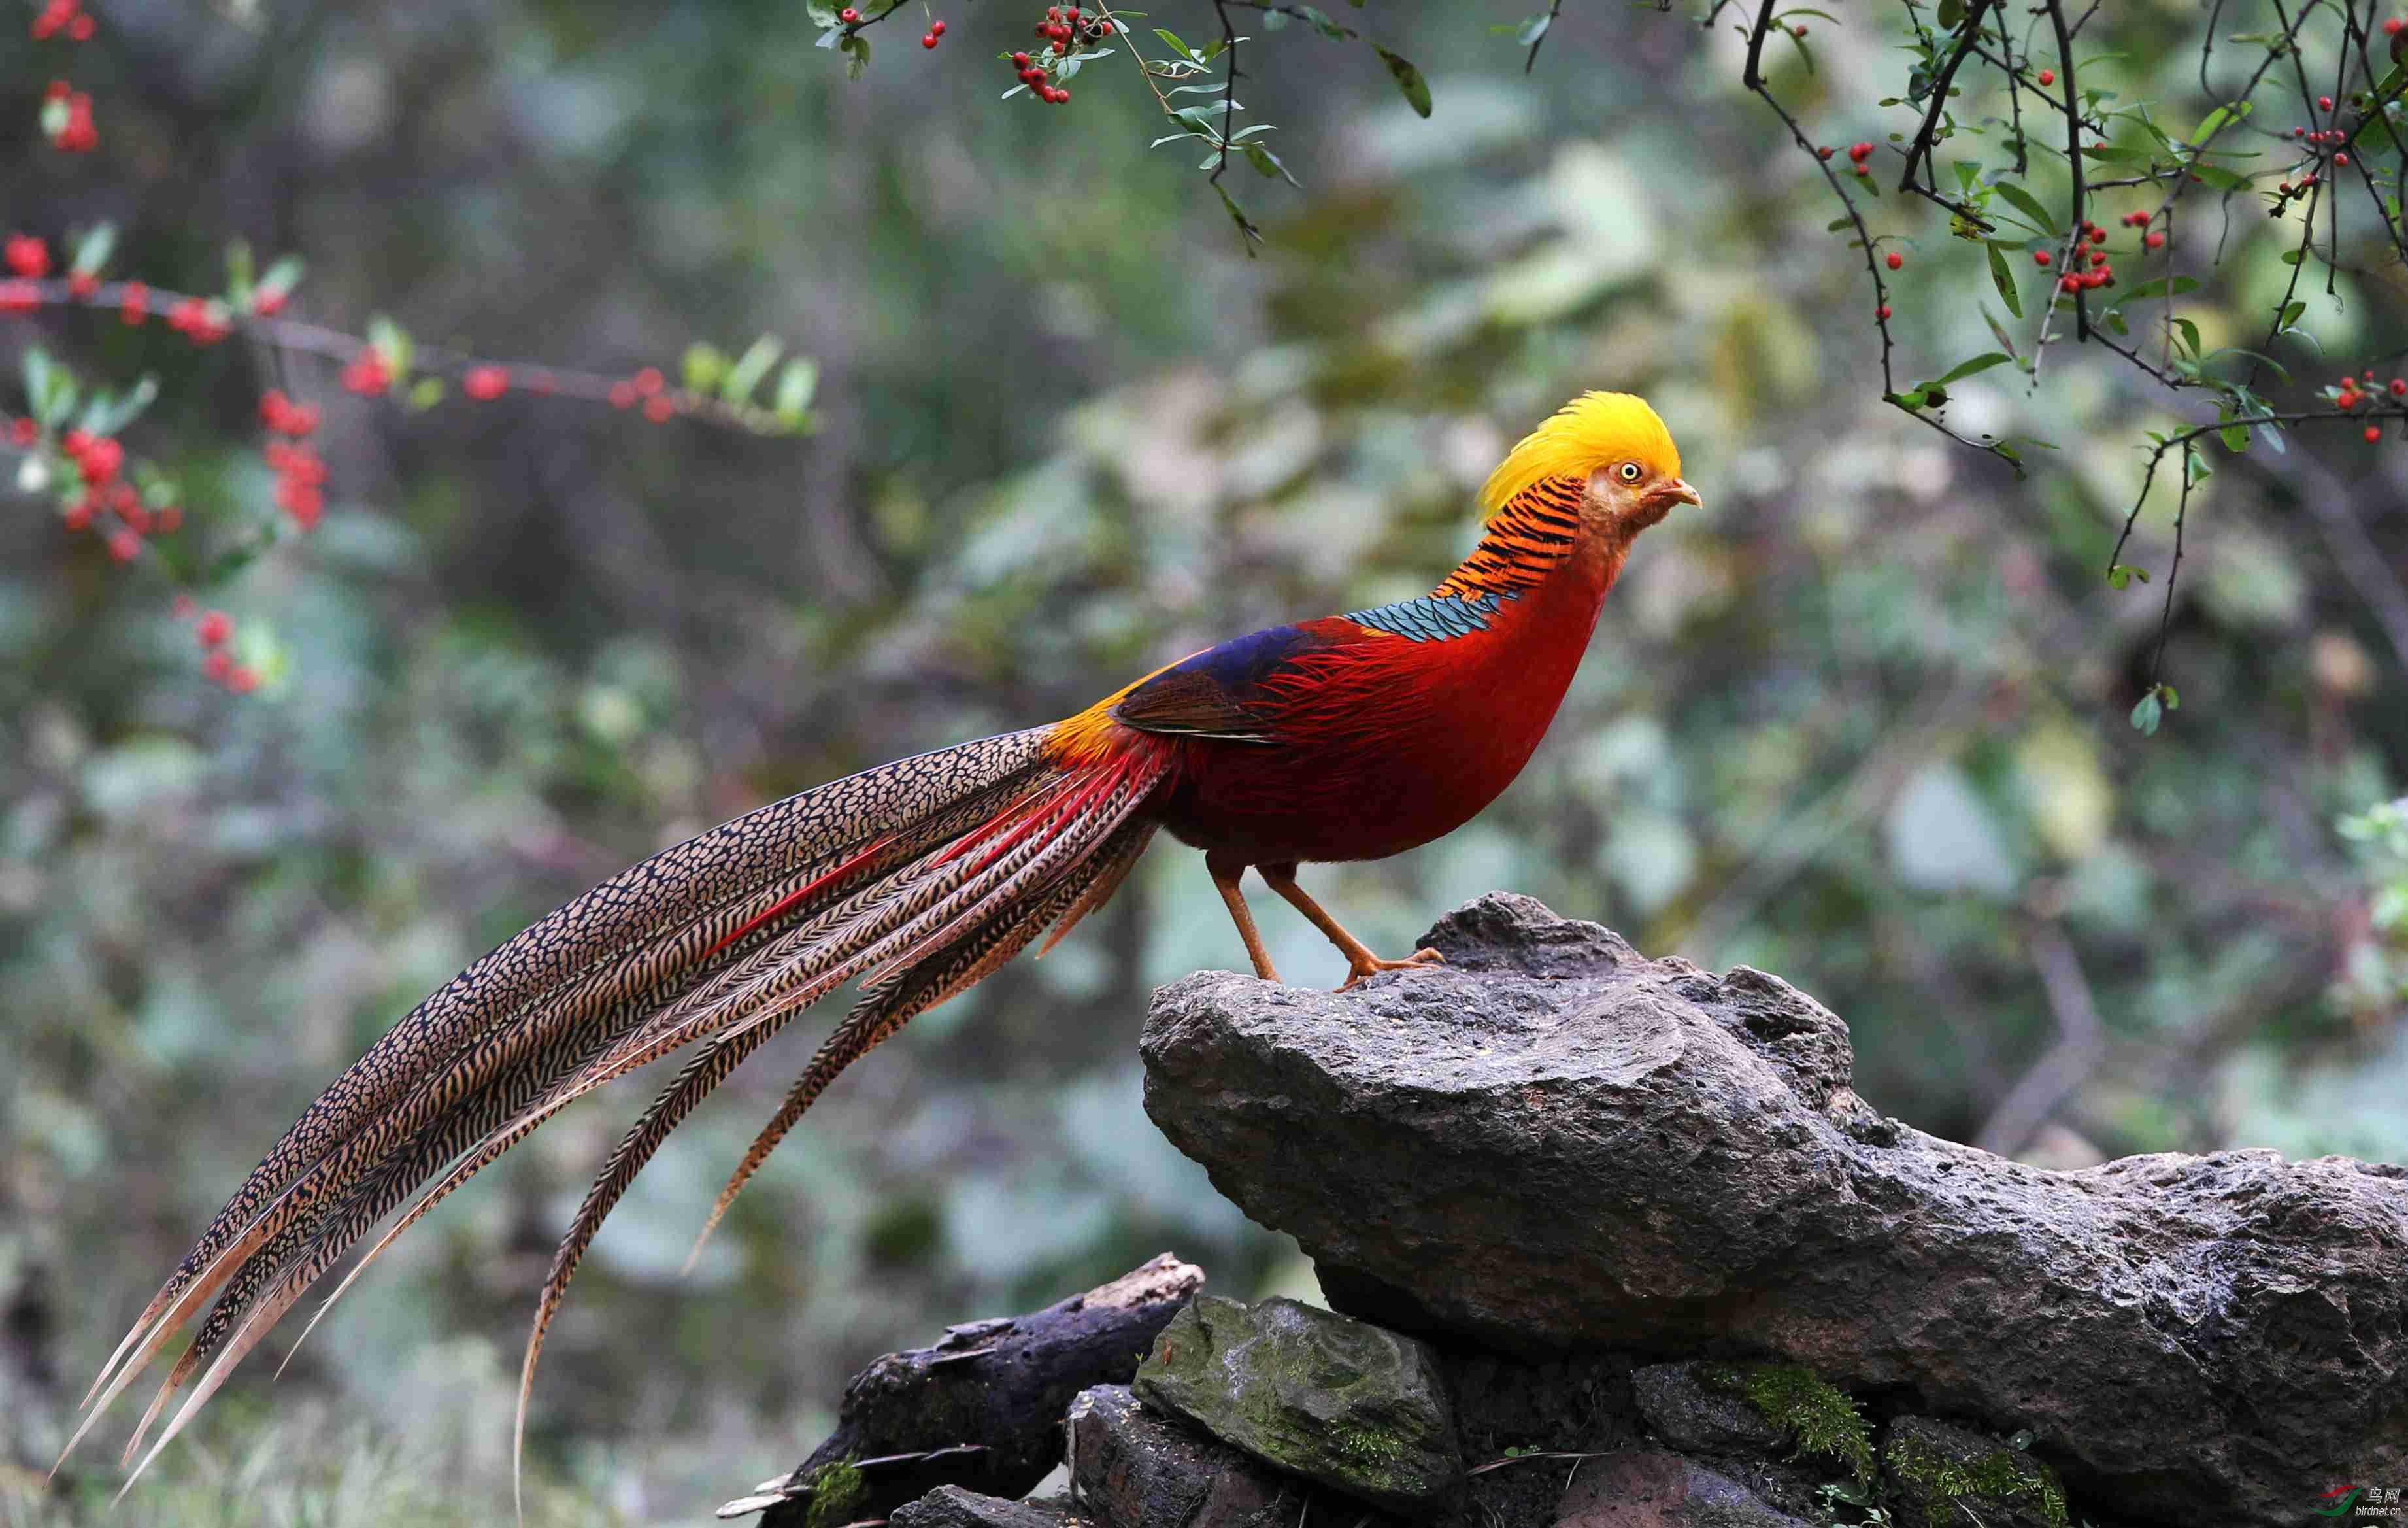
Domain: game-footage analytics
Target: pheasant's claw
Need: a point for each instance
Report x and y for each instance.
(1419, 960)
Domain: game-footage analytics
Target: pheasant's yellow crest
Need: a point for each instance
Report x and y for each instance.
(1593, 430)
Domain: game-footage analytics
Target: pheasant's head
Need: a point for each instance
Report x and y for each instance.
(1614, 444)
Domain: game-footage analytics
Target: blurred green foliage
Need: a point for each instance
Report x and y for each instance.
(1859, 721)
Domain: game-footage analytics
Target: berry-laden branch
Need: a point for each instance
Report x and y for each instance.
(1967, 77)
(68, 449)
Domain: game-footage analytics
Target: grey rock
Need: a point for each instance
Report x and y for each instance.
(1653, 1489)
(951, 1507)
(1553, 1143)
(1132, 1467)
(1942, 1475)
(1688, 1413)
(1340, 1401)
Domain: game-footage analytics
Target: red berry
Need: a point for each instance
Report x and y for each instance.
(60, 89)
(82, 286)
(927, 40)
(2324, 103)
(28, 256)
(623, 395)
(2348, 399)
(2392, 26)
(81, 29)
(2374, 433)
(216, 667)
(2071, 283)
(1864, 169)
(78, 515)
(1823, 153)
(486, 382)
(214, 629)
(2100, 258)
(2047, 76)
(2043, 259)
(660, 407)
(1882, 313)
(125, 546)
(1895, 260)
(242, 680)
(2398, 388)
(1860, 151)
(101, 462)
(269, 301)
(1032, 77)
(1020, 61)
(848, 16)
(936, 28)
(134, 303)
(2155, 241)
(647, 380)
(368, 375)
(1061, 93)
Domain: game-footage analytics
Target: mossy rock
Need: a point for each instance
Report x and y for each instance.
(1946, 1477)
(839, 1492)
(1818, 1416)
(1352, 1405)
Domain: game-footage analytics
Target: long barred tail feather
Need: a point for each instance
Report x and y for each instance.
(921, 877)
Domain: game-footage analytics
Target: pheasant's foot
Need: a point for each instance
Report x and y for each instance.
(1371, 965)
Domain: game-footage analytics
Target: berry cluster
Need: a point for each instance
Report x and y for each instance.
(2350, 392)
(203, 322)
(66, 118)
(300, 471)
(2088, 265)
(62, 18)
(1065, 30)
(1862, 153)
(646, 387)
(368, 373)
(101, 489)
(213, 629)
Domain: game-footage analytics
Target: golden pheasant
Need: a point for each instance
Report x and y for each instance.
(1351, 737)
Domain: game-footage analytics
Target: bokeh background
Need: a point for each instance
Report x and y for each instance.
(1859, 721)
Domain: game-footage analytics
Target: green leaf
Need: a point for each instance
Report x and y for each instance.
(2162, 286)
(282, 276)
(426, 394)
(2190, 332)
(1978, 363)
(108, 414)
(2004, 280)
(1267, 163)
(391, 342)
(92, 252)
(749, 367)
(1252, 235)
(239, 272)
(1320, 21)
(795, 384)
(2220, 177)
(2146, 715)
(1533, 29)
(2213, 122)
(1174, 41)
(2023, 201)
(703, 368)
(1409, 79)
(2123, 573)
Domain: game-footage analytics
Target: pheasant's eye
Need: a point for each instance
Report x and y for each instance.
(1630, 472)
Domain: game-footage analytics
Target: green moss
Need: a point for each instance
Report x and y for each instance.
(839, 1494)
(1366, 1451)
(2001, 1477)
(1815, 1412)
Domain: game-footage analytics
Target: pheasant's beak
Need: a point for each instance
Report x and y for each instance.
(1676, 492)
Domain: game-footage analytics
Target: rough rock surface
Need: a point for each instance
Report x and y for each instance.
(951, 1507)
(1555, 1144)
(1341, 1402)
(1657, 1490)
(1688, 1413)
(1133, 1467)
(981, 1407)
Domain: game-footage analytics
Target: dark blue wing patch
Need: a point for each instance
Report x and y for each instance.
(1432, 617)
(1211, 695)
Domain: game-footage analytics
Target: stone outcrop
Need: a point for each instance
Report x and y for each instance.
(1614, 1244)
(1555, 1143)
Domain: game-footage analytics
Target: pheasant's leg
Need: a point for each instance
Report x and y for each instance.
(1361, 962)
(1224, 874)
